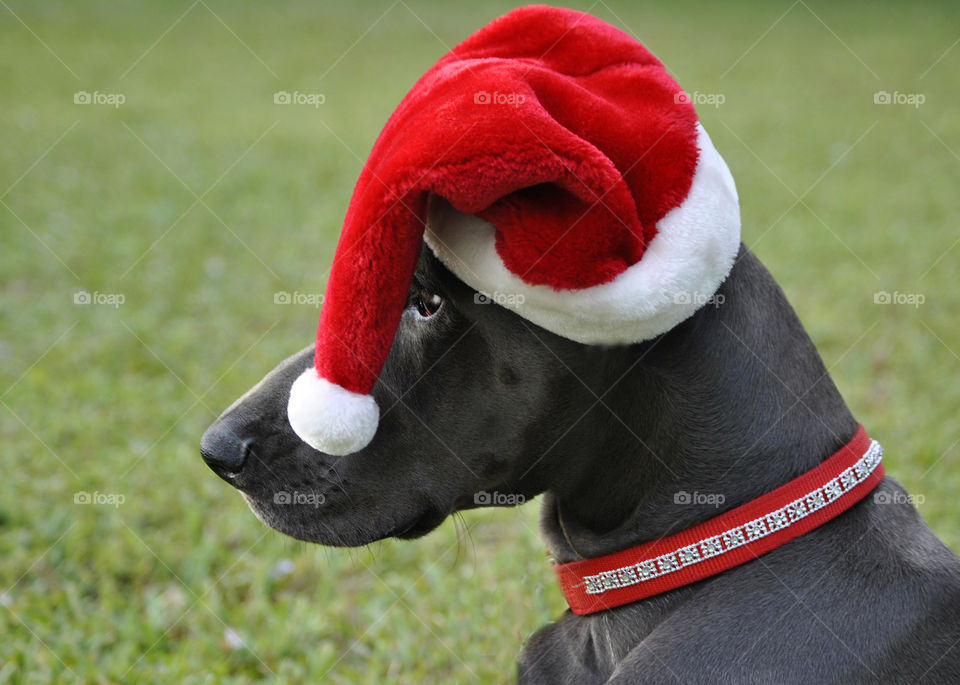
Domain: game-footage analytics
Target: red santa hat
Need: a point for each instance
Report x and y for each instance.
(548, 156)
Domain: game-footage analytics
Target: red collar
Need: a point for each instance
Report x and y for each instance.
(730, 539)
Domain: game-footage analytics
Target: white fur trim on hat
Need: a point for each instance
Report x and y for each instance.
(331, 418)
(681, 269)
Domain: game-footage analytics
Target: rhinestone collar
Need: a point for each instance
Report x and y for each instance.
(728, 540)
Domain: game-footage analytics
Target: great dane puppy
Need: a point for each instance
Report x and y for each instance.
(734, 400)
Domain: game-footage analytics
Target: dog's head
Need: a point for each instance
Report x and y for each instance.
(611, 227)
(480, 407)
(472, 398)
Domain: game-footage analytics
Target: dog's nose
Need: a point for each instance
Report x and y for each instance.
(224, 451)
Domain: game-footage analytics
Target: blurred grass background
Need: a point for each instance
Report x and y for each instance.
(199, 198)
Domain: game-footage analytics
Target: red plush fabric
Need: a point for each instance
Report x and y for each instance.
(559, 129)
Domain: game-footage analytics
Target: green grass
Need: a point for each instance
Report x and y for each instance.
(114, 400)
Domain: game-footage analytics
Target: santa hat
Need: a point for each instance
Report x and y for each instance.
(558, 161)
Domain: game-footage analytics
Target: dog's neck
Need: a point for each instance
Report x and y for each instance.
(726, 407)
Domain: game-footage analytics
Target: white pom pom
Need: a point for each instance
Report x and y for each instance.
(331, 418)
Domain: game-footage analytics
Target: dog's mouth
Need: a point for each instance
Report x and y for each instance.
(310, 525)
(420, 526)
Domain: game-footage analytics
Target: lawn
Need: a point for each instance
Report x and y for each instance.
(182, 210)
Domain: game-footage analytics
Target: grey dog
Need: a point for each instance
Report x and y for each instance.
(734, 400)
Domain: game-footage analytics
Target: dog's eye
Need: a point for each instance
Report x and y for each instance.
(427, 304)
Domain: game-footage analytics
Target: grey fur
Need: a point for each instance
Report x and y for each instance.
(734, 402)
